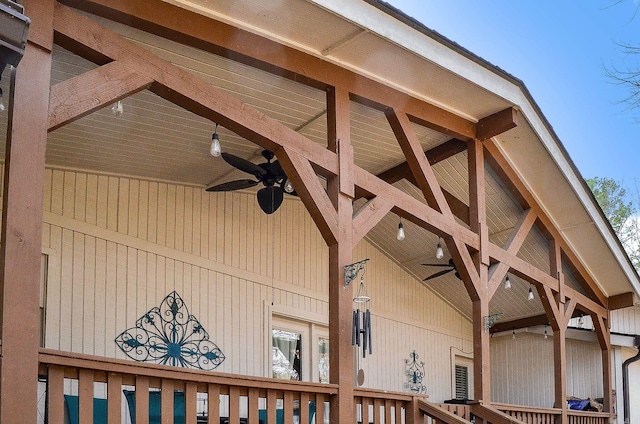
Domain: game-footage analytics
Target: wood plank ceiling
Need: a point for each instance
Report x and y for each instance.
(155, 139)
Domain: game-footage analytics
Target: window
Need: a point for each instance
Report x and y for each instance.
(299, 350)
(461, 374)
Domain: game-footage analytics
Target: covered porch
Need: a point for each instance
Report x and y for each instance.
(373, 128)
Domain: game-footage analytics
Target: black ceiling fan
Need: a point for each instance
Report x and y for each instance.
(270, 174)
(450, 265)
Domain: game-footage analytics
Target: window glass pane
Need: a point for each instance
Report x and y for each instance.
(286, 355)
(323, 359)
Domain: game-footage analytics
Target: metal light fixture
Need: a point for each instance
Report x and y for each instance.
(514, 335)
(439, 251)
(215, 150)
(530, 295)
(546, 335)
(117, 109)
(507, 283)
(401, 234)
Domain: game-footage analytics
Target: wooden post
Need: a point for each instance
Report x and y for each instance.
(340, 190)
(21, 243)
(482, 294)
(560, 370)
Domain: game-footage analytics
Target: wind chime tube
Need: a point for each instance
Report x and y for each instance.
(354, 333)
(368, 333)
(365, 338)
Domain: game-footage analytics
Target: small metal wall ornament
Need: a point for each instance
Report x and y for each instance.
(169, 335)
(414, 371)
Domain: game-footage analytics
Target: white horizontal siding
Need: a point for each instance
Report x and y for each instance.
(119, 245)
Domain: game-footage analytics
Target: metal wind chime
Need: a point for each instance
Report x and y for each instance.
(361, 329)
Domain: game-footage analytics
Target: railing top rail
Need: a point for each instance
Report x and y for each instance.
(439, 413)
(98, 363)
(522, 408)
(554, 411)
(387, 394)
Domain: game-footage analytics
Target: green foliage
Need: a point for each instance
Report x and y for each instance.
(620, 209)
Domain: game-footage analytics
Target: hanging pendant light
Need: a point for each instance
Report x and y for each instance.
(215, 150)
(117, 109)
(514, 335)
(581, 321)
(507, 283)
(401, 234)
(530, 296)
(545, 333)
(439, 251)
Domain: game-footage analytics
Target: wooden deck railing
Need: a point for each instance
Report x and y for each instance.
(528, 415)
(253, 399)
(244, 399)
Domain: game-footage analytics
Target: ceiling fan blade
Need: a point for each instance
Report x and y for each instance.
(244, 165)
(270, 198)
(233, 185)
(437, 274)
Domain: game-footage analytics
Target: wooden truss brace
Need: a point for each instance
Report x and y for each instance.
(183, 89)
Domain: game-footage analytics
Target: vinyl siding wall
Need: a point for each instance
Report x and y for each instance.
(117, 246)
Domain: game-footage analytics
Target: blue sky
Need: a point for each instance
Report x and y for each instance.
(559, 49)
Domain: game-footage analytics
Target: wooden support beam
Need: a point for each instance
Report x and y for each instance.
(620, 301)
(515, 324)
(189, 91)
(340, 255)
(166, 20)
(414, 210)
(517, 188)
(74, 98)
(311, 192)
(434, 155)
(496, 124)
(22, 210)
(368, 216)
(417, 161)
(512, 245)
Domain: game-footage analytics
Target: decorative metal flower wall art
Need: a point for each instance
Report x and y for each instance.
(414, 371)
(169, 335)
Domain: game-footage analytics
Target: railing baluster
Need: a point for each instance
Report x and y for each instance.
(142, 400)
(271, 407)
(365, 409)
(166, 401)
(114, 398)
(190, 402)
(377, 403)
(234, 404)
(55, 394)
(288, 407)
(320, 408)
(85, 396)
(213, 403)
(253, 405)
(304, 408)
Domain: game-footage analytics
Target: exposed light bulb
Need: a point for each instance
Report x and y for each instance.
(439, 251)
(401, 234)
(546, 336)
(288, 187)
(216, 150)
(530, 296)
(507, 283)
(117, 108)
(514, 335)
